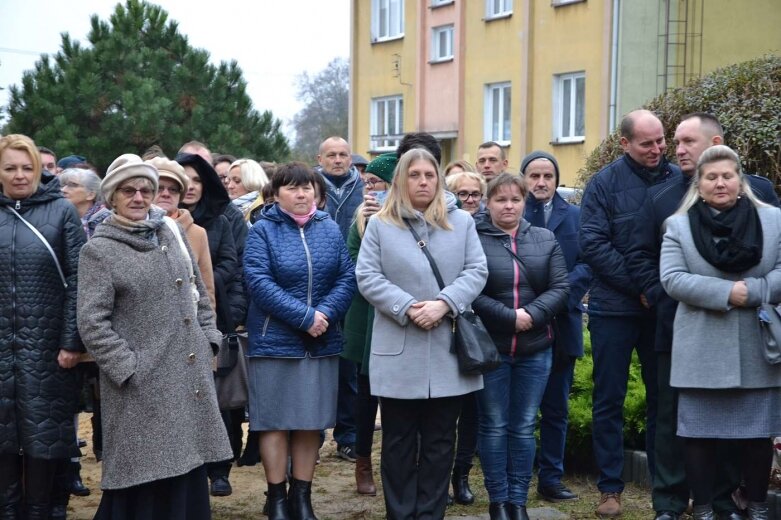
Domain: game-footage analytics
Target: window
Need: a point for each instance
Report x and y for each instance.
(387, 20)
(497, 113)
(442, 43)
(569, 105)
(387, 123)
(498, 8)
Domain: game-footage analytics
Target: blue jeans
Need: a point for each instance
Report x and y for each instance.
(613, 338)
(507, 413)
(553, 425)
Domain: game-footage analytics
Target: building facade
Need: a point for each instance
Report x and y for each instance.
(555, 75)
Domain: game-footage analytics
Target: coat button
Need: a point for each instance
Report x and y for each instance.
(191, 358)
(187, 321)
(164, 249)
(198, 394)
(179, 281)
(395, 308)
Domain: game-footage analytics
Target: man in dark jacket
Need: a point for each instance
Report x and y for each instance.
(694, 134)
(344, 193)
(619, 321)
(546, 208)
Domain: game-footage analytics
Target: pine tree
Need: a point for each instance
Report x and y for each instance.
(139, 83)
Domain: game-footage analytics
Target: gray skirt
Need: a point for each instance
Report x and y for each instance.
(292, 394)
(729, 413)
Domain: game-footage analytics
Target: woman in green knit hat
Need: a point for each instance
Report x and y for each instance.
(357, 323)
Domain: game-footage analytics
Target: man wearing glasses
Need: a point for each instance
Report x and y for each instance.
(546, 208)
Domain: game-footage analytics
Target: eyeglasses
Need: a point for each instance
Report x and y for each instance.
(173, 190)
(464, 195)
(72, 185)
(130, 192)
(372, 182)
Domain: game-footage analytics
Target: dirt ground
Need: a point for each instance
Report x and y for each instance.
(334, 496)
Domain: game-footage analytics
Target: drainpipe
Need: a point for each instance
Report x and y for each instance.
(614, 66)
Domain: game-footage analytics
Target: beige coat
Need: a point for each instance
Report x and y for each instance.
(196, 236)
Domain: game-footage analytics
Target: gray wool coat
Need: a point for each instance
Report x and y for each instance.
(715, 345)
(136, 317)
(406, 361)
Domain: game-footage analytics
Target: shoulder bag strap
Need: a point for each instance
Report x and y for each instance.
(522, 266)
(45, 242)
(422, 246)
(174, 227)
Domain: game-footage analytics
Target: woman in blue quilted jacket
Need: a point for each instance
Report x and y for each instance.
(301, 282)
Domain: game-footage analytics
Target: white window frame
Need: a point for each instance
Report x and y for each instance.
(498, 9)
(382, 125)
(438, 53)
(392, 26)
(559, 3)
(498, 130)
(567, 131)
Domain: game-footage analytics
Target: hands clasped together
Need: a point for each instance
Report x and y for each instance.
(428, 314)
(319, 326)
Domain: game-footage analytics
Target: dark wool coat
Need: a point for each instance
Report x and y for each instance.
(542, 287)
(37, 319)
(292, 272)
(136, 317)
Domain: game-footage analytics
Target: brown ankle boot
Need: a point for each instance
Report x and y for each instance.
(364, 479)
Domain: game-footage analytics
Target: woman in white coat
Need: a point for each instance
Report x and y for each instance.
(411, 367)
(721, 257)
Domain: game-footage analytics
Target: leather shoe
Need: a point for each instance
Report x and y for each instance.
(498, 511)
(609, 505)
(732, 515)
(221, 487)
(556, 493)
(78, 488)
(462, 494)
(667, 515)
(517, 512)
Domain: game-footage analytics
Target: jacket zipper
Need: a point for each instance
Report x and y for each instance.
(265, 325)
(516, 294)
(338, 192)
(13, 291)
(309, 268)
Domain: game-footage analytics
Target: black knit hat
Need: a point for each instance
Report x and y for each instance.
(539, 154)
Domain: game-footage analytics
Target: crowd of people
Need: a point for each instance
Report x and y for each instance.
(191, 294)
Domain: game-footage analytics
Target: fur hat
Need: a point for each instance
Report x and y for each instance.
(539, 154)
(170, 170)
(383, 166)
(124, 167)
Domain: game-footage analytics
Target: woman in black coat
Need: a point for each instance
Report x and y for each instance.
(211, 208)
(39, 388)
(527, 286)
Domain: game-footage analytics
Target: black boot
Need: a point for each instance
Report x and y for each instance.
(498, 511)
(251, 455)
(276, 503)
(300, 500)
(77, 487)
(461, 492)
(10, 500)
(517, 512)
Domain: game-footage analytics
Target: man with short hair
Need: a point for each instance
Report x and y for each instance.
(491, 160)
(695, 133)
(197, 148)
(420, 140)
(546, 208)
(222, 164)
(344, 193)
(48, 160)
(619, 320)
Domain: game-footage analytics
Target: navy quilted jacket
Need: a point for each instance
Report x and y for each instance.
(37, 319)
(611, 202)
(290, 273)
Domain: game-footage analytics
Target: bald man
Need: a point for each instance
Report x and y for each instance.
(619, 319)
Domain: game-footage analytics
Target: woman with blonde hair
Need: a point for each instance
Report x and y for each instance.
(470, 188)
(245, 180)
(411, 367)
(458, 166)
(721, 258)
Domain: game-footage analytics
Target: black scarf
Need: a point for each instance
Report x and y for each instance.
(730, 240)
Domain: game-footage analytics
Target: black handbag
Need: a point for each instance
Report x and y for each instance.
(471, 343)
(769, 316)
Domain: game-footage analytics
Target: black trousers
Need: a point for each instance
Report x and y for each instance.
(232, 420)
(466, 445)
(365, 416)
(418, 438)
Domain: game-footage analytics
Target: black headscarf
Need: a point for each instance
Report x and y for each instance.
(214, 196)
(730, 240)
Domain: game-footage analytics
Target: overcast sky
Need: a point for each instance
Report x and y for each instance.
(272, 40)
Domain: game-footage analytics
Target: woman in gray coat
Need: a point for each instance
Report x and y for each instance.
(153, 338)
(411, 367)
(721, 257)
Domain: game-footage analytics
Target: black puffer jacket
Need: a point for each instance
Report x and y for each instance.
(545, 270)
(37, 319)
